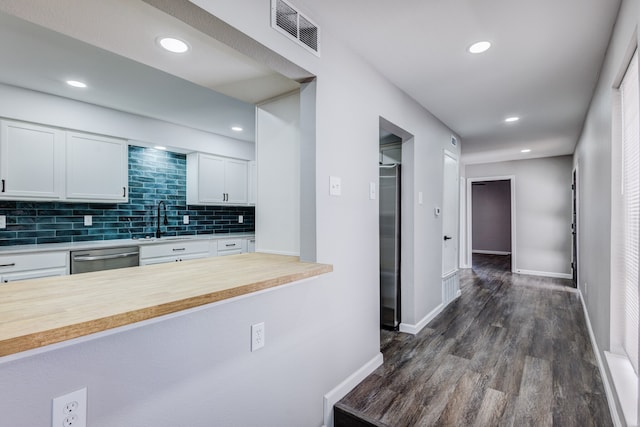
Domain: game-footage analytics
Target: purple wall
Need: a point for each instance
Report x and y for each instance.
(491, 207)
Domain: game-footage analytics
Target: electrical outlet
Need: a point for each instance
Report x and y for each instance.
(70, 410)
(240, 219)
(88, 220)
(257, 336)
(3, 221)
(335, 186)
(185, 219)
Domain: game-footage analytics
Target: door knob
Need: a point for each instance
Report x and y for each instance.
(447, 238)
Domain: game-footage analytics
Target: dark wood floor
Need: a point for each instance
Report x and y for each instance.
(513, 350)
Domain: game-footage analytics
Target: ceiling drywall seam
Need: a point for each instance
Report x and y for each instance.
(208, 24)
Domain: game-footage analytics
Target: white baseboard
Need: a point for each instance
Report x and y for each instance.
(545, 274)
(341, 390)
(482, 251)
(613, 408)
(414, 329)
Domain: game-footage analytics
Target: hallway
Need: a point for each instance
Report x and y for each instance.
(512, 350)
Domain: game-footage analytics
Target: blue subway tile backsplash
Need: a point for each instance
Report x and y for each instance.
(154, 175)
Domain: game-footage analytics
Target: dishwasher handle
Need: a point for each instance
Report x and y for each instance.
(102, 257)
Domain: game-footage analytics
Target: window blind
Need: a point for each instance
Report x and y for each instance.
(630, 99)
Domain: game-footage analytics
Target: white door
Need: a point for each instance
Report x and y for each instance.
(450, 214)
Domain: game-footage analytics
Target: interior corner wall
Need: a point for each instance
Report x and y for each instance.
(278, 177)
(542, 211)
(491, 207)
(593, 158)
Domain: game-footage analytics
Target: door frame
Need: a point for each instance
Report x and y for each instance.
(453, 156)
(469, 242)
(575, 211)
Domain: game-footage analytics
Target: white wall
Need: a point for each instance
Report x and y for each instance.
(491, 207)
(318, 332)
(278, 160)
(22, 104)
(593, 157)
(542, 211)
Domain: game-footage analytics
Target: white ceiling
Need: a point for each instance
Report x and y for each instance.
(216, 89)
(543, 65)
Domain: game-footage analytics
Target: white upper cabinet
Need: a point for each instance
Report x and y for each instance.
(213, 180)
(31, 162)
(97, 168)
(45, 163)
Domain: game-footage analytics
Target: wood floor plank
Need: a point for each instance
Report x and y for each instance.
(535, 399)
(512, 350)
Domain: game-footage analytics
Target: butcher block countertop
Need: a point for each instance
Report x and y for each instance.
(39, 312)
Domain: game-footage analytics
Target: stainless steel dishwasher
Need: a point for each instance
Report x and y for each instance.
(104, 259)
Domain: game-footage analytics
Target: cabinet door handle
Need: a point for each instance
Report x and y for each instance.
(230, 245)
(447, 238)
(124, 191)
(13, 264)
(3, 185)
(178, 249)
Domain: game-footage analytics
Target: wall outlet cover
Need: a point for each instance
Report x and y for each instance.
(185, 219)
(335, 186)
(240, 219)
(70, 410)
(3, 221)
(257, 336)
(88, 220)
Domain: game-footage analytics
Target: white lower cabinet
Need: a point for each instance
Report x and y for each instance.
(33, 266)
(173, 252)
(231, 246)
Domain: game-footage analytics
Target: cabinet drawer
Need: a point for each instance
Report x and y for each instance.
(229, 244)
(34, 261)
(174, 249)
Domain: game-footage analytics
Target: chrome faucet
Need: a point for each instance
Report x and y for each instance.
(166, 222)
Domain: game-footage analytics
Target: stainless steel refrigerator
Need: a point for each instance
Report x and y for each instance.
(389, 246)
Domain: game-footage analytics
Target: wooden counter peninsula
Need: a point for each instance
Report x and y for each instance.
(40, 312)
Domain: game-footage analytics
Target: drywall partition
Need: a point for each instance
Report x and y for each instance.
(491, 207)
(278, 160)
(593, 155)
(37, 107)
(319, 332)
(542, 212)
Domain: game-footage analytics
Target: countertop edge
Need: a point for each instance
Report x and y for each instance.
(30, 341)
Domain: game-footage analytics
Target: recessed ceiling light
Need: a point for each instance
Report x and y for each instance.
(512, 119)
(526, 150)
(160, 147)
(236, 129)
(479, 47)
(76, 83)
(173, 45)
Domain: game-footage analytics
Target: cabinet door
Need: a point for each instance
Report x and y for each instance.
(31, 162)
(211, 172)
(96, 168)
(236, 181)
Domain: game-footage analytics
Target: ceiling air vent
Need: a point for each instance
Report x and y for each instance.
(454, 141)
(290, 22)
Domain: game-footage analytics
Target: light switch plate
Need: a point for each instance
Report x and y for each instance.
(240, 219)
(420, 201)
(3, 221)
(185, 219)
(88, 220)
(372, 191)
(335, 186)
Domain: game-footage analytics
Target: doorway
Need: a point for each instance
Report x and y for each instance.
(491, 222)
(390, 185)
